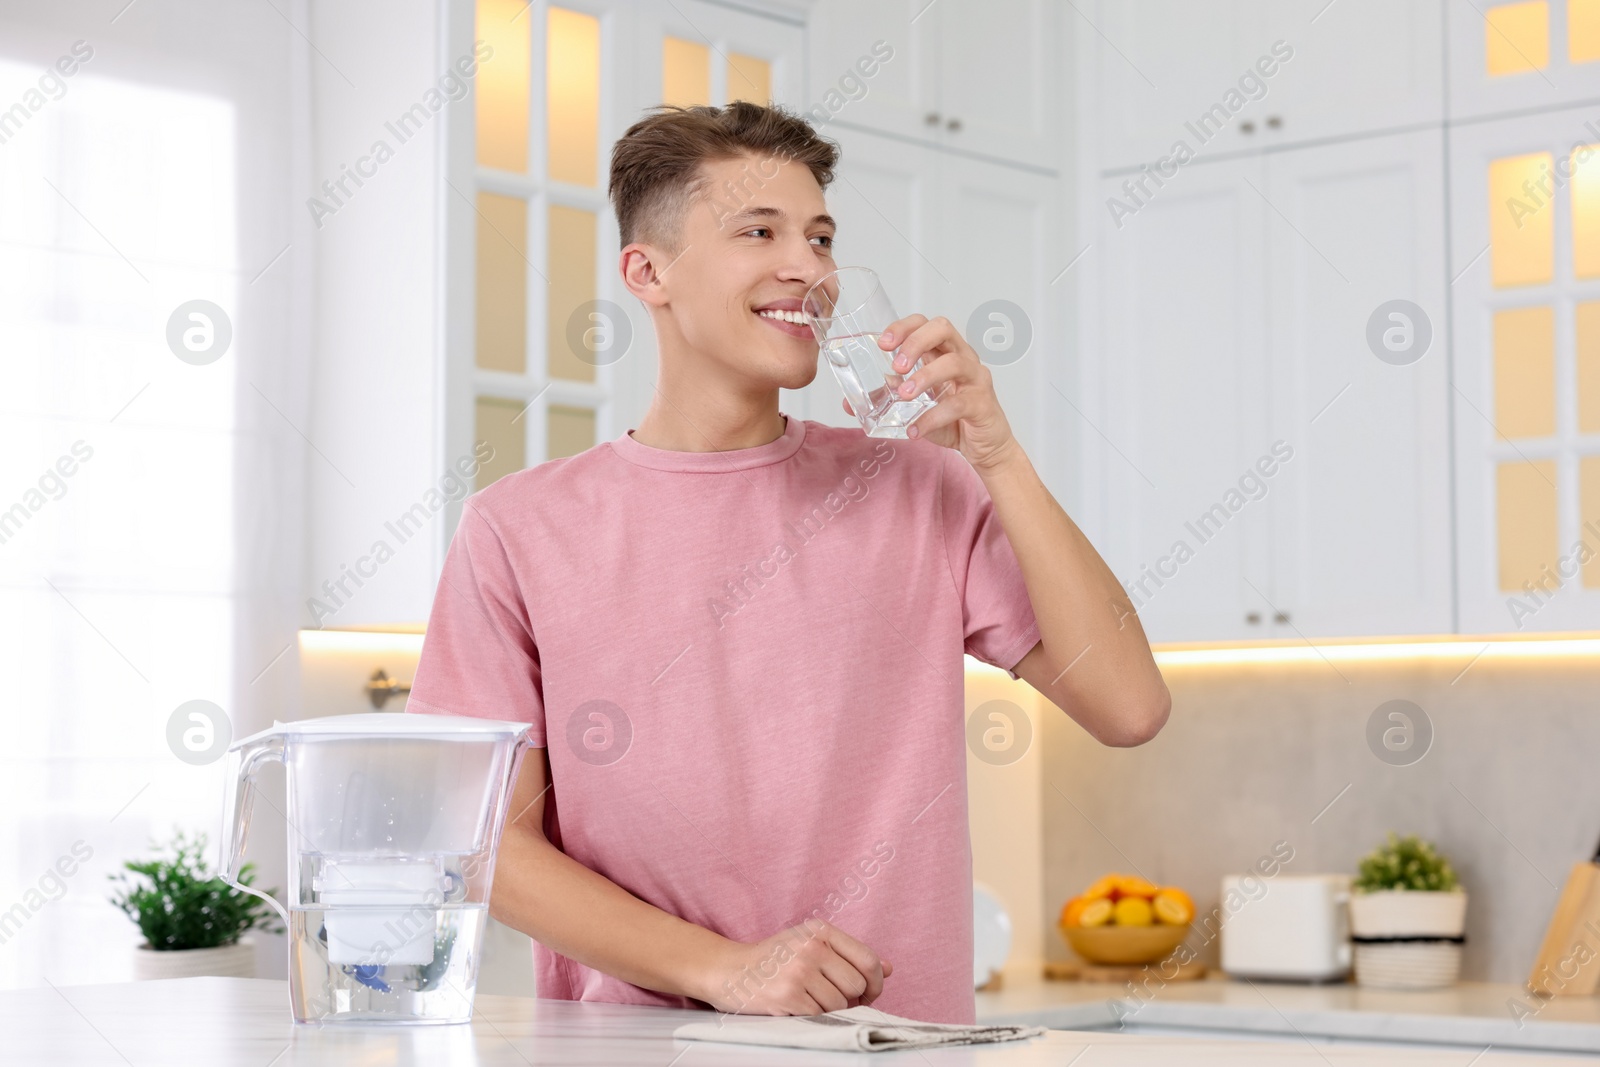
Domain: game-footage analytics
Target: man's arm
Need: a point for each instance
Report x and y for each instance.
(1092, 660)
(583, 915)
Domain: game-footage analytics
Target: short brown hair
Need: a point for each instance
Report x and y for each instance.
(655, 166)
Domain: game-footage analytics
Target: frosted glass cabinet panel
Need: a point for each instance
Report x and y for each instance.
(1527, 352)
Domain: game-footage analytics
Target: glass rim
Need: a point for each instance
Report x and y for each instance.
(877, 287)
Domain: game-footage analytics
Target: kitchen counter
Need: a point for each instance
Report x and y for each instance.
(1471, 1014)
(221, 1022)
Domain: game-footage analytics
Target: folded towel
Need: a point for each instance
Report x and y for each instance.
(859, 1029)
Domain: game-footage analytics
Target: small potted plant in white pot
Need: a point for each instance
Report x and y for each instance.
(1408, 914)
(193, 923)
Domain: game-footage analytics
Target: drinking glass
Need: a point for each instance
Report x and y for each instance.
(848, 310)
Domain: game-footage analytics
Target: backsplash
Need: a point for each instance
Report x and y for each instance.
(1254, 755)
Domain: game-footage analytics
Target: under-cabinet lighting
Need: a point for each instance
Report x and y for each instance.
(1372, 650)
(406, 640)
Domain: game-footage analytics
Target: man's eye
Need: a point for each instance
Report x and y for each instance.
(827, 242)
(763, 230)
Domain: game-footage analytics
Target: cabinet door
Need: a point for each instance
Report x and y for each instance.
(1158, 66)
(1358, 66)
(1361, 513)
(1522, 55)
(1182, 413)
(852, 84)
(884, 196)
(997, 225)
(1526, 306)
(998, 78)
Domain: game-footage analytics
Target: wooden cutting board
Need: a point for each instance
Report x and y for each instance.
(1568, 963)
(1099, 972)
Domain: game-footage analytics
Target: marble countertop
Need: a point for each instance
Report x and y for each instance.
(221, 1022)
(1476, 1014)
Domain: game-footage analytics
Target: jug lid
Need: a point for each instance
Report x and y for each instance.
(394, 724)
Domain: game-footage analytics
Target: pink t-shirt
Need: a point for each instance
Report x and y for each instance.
(747, 669)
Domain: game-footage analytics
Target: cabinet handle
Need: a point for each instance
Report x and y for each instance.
(932, 118)
(1247, 127)
(954, 125)
(1282, 616)
(1273, 122)
(1253, 618)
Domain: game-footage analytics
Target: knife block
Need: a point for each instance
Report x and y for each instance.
(1568, 963)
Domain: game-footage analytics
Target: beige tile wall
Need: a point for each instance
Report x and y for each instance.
(1510, 788)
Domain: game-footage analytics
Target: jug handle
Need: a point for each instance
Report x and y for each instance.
(238, 802)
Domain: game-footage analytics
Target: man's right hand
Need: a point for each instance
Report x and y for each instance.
(824, 969)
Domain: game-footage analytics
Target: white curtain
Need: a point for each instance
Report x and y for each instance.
(151, 509)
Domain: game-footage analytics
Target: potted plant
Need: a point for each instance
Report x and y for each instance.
(192, 922)
(1407, 917)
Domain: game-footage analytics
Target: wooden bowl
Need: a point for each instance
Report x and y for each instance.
(1124, 944)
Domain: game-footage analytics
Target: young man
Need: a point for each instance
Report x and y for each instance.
(738, 636)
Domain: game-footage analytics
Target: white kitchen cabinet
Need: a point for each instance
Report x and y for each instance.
(874, 66)
(998, 65)
(1177, 412)
(977, 76)
(948, 235)
(1360, 539)
(1522, 56)
(1264, 71)
(1155, 66)
(1264, 474)
(1359, 66)
(1527, 382)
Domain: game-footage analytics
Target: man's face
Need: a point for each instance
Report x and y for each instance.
(751, 244)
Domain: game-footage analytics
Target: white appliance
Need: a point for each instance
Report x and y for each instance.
(1288, 926)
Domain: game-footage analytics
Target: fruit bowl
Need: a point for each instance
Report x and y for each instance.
(1125, 944)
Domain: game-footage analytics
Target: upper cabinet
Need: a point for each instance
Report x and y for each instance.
(1525, 210)
(1186, 78)
(1267, 399)
(1359, 368)
(976, 76)
(1175, 412)
(1265, 472)
(1524, 55)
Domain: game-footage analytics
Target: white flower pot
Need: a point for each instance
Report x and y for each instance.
(237, 960)
(1418, 936)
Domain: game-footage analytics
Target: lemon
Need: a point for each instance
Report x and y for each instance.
(1096, 913)
(1173, 906)
(1133, 911)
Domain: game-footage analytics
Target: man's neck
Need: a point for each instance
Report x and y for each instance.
(693, 417)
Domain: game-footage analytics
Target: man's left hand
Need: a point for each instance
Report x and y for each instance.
(967, 416)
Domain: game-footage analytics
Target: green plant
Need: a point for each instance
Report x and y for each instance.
(177, 905)
(1405, 863)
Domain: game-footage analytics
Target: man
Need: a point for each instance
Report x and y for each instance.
(738, 636)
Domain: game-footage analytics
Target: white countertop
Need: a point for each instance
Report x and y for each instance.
(221, 1022)
(1469, 1013)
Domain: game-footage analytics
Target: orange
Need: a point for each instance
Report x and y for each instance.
(1131, 885)
(1105, 887)
(1133, 911)
(1096, 913)
(1172, 905)
(1072, 910)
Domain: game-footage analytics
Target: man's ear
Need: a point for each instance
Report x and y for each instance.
(639, 268)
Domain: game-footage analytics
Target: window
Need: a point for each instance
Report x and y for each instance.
(118, 552)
